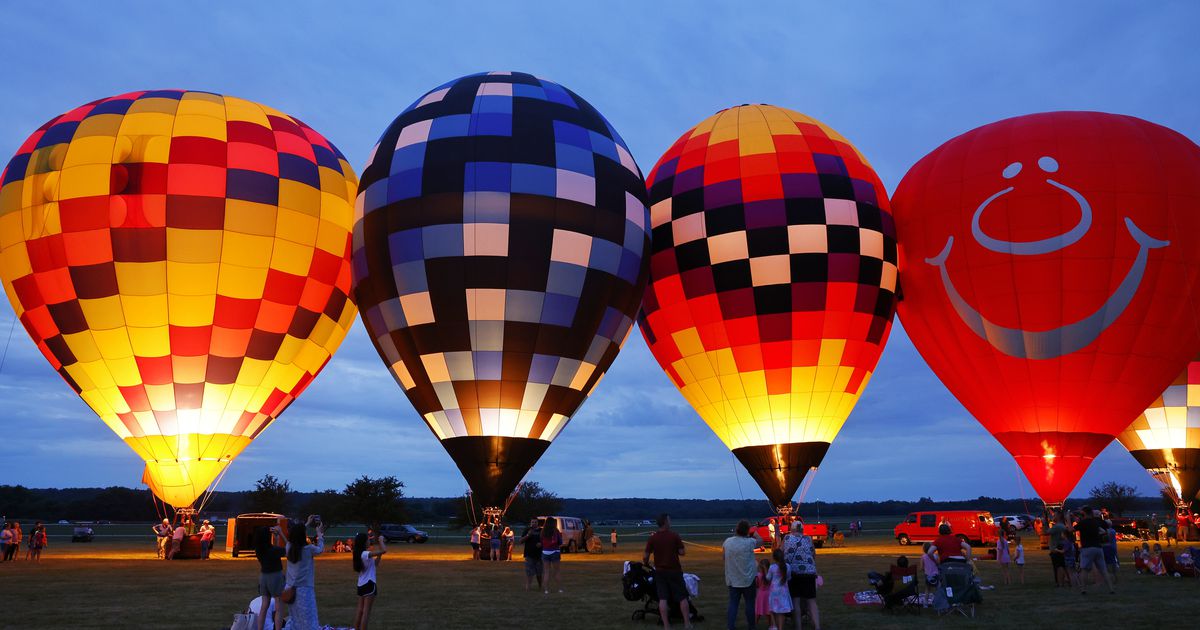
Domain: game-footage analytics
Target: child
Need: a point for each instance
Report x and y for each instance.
(780, 598)
(1069, 555)
(1019, 558)
(930, 567)
(1002, 556)
(762, 601)
(365, 562)
(1155, 564)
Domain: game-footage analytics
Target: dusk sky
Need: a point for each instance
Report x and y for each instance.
(896, 78)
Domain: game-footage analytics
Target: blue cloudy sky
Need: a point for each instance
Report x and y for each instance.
(897, 78)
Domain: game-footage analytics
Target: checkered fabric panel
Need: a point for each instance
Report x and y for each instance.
(1173, 420)
(773, 274)
(183, 260)
(501, 226)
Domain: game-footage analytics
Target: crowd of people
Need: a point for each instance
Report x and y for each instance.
(769, 590)
(170, 537)
(285, 553)
(12, 536)
(492, 540)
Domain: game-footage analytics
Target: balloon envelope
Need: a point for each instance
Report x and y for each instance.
(1049, 272)
(772, 283)
(498, 261)
(182, 260)
(1165, 439)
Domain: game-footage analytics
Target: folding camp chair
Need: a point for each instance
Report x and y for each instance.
(957, 590)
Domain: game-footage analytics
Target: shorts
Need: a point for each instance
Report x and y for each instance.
(1091, 557)
(553, 556)
(270, 584)
(1057, 561)
(495, 543)
(533, 567)
(368, 589)
(670, 586)
(475, 546)
(803, 586)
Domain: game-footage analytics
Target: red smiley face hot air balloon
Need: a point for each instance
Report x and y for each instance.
(1049, 270)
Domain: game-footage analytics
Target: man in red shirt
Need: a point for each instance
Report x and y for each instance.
(949, 546)
(667, 546)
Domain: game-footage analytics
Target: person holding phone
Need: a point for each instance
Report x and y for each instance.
(365, 563)
(300, 556)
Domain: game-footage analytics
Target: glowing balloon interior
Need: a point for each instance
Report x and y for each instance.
(498, 261)
(772, 283)
(1165, 439)
(1049, 268)
(182, 259)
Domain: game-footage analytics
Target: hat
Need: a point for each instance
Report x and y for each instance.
(206, 521)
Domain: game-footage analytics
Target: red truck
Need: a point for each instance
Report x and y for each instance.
(818, 531)
(973, 526)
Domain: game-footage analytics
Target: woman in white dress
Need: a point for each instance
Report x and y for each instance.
(300, 574)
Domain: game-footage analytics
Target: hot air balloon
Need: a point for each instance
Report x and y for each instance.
(182, 260)
(498, 262)
(1165, 439)
(1049, 271)
(772, 284)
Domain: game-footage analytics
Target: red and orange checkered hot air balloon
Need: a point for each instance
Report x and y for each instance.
(1165, 438)
(182, 259)
(772, 283)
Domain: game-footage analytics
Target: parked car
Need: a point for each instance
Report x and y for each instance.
(1018, 521)
(571, 529)
(82, 534)
(402, 533)
(974, 526)
(818, 531)
(64, 522)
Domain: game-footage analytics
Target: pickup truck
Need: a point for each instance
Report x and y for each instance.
(818, 531)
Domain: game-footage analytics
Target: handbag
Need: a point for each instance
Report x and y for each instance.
(288, 595)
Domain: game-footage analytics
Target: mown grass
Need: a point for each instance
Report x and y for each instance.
(118, 584)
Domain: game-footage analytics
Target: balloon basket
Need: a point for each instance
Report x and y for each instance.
(784, 510)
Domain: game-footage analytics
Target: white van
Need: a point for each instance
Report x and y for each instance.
(571, 529)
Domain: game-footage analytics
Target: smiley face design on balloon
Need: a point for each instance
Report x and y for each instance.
(1072, 336)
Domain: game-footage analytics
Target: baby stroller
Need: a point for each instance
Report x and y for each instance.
(637, 584)
(957, 590)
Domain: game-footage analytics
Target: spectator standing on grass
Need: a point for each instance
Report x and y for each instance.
(300, 556)
(1058, 560)
(5, 541)
(801, 559)
(1110, 551)
(475, 543)
(270, 574)
(495, 540)
(1019, 558)
(14, 545)
(507, 539)
(667, 546)
(37, 542)
(780, 598)
(207, 534)
(1092, 536)
(740, 570)
(176, 541)
(613, 537)
(531, 541)
(163, 531)
(1003, 554)
(365, 562)
(552, 553)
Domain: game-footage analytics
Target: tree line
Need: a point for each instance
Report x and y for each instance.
(382, 500)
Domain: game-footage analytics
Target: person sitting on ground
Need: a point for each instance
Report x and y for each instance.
(1155, 565)
(950, 548)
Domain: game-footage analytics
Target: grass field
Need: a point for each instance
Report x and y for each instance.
(117, 583)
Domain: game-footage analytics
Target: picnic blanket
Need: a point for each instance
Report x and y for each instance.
(871, 598)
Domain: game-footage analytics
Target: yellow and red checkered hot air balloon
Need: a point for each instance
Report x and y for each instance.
(1165, 439)
(182, 260)
(772, 283)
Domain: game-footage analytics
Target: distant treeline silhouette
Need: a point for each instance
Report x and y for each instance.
(120, 504)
